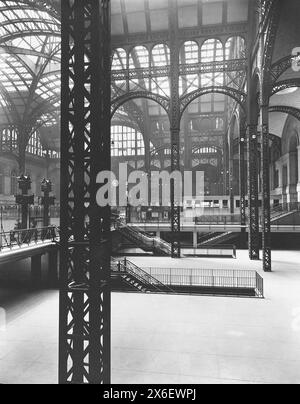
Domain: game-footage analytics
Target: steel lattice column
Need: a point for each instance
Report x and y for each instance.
(85, 227)
(266, 206)
(175, 127)
(243, 187)
(253, 193)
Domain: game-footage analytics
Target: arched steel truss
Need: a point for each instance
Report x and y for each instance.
(164, 102)
(285, 84)
(280, 67)
(295, 112)
(239, 96)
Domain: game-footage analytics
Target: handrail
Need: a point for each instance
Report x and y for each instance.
(144, 277)
(209, 278)
(150, 242)
(19, 238)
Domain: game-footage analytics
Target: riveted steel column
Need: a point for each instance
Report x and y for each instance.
(253, 193)
(243, 185)
(266, 194)
(175, 127)
(84, 352)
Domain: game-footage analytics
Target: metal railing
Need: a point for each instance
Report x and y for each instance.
(136, 234)
(147, 280)
(223, 250)
(212, 278)
(21, 238)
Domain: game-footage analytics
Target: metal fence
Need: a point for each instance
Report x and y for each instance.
(214, 278)
(211, 250)
(20, 238)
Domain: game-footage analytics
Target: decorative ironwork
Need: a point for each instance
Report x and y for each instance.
(85, 235)
(253, 193)
(184, 69)
(281, 66)
(164, 102)
(295, 112)
(26, 237)
(237, 95)
(285, 84)
(220, 30)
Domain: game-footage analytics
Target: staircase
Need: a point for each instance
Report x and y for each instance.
(140, 240)
(137, 279)
(218, 238)
(283, 211)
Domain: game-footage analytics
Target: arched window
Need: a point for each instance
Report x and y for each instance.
(9, 139)
(119, 59)
(212, 51)
(139, 58)
(189, 53)
(161, 55)
(208, 150)
(126, 141)
(34, 146)
(235, 48)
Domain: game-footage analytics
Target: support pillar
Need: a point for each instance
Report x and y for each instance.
(85, 294)
(266, 194)
(195, 239)
(253, 193)
(298, 185)
(175, 115)
(243, 186)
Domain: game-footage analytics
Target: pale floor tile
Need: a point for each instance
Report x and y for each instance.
(173, 339)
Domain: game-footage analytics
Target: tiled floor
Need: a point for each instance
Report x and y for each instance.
(173, 339)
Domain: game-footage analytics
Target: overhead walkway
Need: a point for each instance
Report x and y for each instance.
(32, 244)
(17, 245)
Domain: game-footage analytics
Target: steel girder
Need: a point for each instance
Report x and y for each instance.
(295, 112)
(281, 66)
(285, 84)
(253, 192)
(116, 103)
(184, 69)
(239, 96)
(84, 352)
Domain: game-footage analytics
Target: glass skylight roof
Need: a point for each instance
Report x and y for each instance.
(29, 59)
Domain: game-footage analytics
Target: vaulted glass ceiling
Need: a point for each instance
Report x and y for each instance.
(30, 50)
(29, 62)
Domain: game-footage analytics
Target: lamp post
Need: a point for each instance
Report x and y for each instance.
(23, 199)
(47, 201)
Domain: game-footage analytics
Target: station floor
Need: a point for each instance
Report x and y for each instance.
(171, 339)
